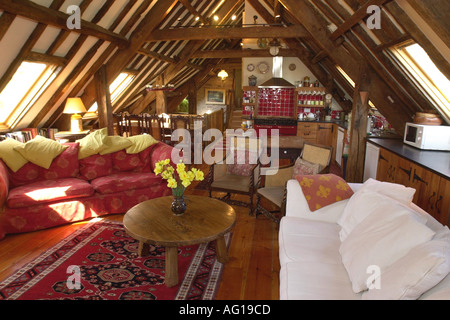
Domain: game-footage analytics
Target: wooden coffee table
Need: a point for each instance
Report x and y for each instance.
(153, 223)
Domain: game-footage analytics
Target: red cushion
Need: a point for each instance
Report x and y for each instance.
(95, 166)
(48, 191)
(122, 161)
(63, 166)
(29, 173)
(124, 181)
(321, 190)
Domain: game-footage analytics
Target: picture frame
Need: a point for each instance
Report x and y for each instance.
(215, 96)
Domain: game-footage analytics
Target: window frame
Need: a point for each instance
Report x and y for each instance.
(33, 93)
(420, 78)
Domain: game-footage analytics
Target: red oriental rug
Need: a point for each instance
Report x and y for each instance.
(100, 262)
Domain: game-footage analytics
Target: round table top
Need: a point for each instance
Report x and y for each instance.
(205, 220)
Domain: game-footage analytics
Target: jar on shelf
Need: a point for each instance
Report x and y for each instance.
(306, 81)
(252, 81)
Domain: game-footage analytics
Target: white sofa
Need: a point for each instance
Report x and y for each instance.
(378, 235)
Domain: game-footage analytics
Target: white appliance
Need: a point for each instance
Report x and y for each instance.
(427, 137)
(371, 163)
(340, 146)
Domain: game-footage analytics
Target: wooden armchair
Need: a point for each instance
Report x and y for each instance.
(273, 187)
(234, 179)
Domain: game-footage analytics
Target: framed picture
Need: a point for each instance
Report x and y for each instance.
(215, 96)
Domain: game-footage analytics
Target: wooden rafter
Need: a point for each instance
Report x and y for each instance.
(360, 14)
(36, 12)
(228, 33)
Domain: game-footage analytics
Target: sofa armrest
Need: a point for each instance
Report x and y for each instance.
(4, 184)
(297, 206)
(160, 152)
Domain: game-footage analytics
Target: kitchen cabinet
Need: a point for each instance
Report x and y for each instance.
(320, 133)
(308, 131)
(432, 190)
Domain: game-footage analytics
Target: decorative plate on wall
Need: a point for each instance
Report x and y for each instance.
(263, 67)
(292, 67)
(250, 67)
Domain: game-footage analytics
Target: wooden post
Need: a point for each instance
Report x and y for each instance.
(104, 101)
(358, 131)
(161, 98)
(192, 97)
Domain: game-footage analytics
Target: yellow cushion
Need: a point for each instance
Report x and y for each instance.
(115, 143)
(41, 151)
(140, 143)
(93, 143)
(13, 159)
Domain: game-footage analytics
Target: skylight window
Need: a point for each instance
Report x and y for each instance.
(427, 77)
(28, 83)
(116, 88)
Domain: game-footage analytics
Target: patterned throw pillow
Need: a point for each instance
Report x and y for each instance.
(321, 190)
(243, 163)
(303, 167)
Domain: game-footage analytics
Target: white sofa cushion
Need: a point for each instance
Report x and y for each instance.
(315, 281)
(370, 199)
(379, 240)
(309, 241)
(297, 206)
(419, 270)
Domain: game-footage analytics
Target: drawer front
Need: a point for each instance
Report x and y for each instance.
(307, 134)
(308, 126)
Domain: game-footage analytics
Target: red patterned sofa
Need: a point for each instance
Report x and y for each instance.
(35, 198)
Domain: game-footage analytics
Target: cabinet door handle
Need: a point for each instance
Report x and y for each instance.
(408, 172)
(324, 128)
(416, 177)
(430, 203)
(382, 158)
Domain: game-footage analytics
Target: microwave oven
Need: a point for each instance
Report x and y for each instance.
(427, 137)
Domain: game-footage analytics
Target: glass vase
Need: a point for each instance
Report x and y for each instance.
(178, 205)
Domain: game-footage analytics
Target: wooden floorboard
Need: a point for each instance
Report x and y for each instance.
(251, 274)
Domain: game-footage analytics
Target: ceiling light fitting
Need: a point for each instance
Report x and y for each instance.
(222, 74)
(274, 47)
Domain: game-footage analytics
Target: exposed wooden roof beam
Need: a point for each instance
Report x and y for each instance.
(249, 53)
(193, 11)
(360, 14)
(295, 31)
(56, 18)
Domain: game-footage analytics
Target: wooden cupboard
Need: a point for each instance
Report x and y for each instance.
(432, 190)
(319, 133)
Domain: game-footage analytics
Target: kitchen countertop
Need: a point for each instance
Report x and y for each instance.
(436, 161)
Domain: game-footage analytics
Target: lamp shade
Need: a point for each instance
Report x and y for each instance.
(223, 74)
(74, 105)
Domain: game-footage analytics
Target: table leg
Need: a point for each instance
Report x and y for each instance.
(144, 249)
(171, 266)
(221, 250)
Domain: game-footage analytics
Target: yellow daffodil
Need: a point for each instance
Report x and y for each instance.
(180, 180)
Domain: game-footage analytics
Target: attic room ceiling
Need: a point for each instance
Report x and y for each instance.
(181, 43)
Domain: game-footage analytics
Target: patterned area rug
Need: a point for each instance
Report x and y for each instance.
(100, 262)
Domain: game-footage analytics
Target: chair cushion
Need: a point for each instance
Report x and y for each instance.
(243, 162)
(232, 182)
(48, 191)
(303, 167)
(124, 181)
(273, 194)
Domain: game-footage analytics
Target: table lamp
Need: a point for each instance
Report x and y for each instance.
(75, 106)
